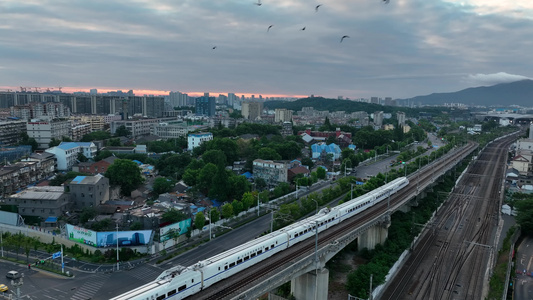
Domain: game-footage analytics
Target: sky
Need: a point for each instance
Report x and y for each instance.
(401, 49)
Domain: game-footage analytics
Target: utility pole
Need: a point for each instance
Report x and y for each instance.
(62, 262)
(117, 248)
(370, 293)
(2, 242)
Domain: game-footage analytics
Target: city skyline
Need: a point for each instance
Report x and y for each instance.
(401, 49)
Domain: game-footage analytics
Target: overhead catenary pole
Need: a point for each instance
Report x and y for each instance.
(117, 249)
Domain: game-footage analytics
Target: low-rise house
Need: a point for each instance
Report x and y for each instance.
(89, 191)
(93, 168)
(41, 201)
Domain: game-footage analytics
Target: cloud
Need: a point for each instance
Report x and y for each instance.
(492, 79)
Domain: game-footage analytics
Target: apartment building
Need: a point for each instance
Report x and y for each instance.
(66, 153)
(10, 132)
(170, 130)
(195, 139)
(138, 127)
(43, 131)
(273, 172)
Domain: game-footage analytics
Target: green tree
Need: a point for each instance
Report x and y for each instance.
(260, 183)
(321, 173)
(173, 216)
(227, 210)
(199, 220)
(82, 157)
(26, 140)
(136, 226)
(96, 136)
(54, 142)
(237, 207)
(216, 157)
(247, 200)
(126, 174)
(122, 131)
(87, 214)
(306, 161)
(206, 176)
(103, 155)
(268, 154)
(214, 214)
(524, 214)
(162, 185)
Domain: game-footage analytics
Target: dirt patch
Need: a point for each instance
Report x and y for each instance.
(339, 269)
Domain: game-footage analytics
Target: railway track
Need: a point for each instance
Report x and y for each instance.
(240, 282)
(450, 261)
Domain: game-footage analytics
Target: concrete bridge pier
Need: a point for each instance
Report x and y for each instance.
(312, 285)
(374, 235)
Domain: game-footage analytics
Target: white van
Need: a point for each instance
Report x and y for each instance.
(13, 275)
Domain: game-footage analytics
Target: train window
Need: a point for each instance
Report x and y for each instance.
(171, 293)
(239, 261)
(232, 265)
(296, 235)
(260, 251)
(225, 267)
(253, 255)
(219, 268)
(246, 258)
(181, 288)
(271, 246)
(192, 280)
(161, 297)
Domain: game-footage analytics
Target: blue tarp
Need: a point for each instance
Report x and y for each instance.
(248, 175)
(51, 220)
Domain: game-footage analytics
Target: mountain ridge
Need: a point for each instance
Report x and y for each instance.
(505, 94)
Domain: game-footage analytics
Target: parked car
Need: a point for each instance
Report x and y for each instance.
(3, 288)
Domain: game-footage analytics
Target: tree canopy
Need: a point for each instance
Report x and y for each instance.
(126, 174)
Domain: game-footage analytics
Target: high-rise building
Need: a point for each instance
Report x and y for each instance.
(378, 118)
(205, 106)
(252, 110)
(401, 118)
(231, 99)
(93, 91)
(374, 100)
(282, 115)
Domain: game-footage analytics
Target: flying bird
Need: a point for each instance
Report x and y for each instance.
(214, 47)
(343, 37)
(269, 28)
(386, 1)
(316, 8)
(303, 28)
(258, 3)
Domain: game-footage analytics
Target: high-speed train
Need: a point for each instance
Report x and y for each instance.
(179, 282)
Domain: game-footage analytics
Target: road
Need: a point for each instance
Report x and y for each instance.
(523, 289)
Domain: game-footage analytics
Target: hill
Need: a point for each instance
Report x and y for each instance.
(503, 94)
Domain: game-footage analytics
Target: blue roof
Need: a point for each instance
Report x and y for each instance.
(137, 162)
(353, 147)
(67, 145)
(51, 220)
(216, 203)
(248, 175)
(78, 179)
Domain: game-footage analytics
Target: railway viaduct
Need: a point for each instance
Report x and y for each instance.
(307, 272)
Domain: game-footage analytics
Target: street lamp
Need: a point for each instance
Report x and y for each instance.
(210, 223)
(316, 205)
(258, 204)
